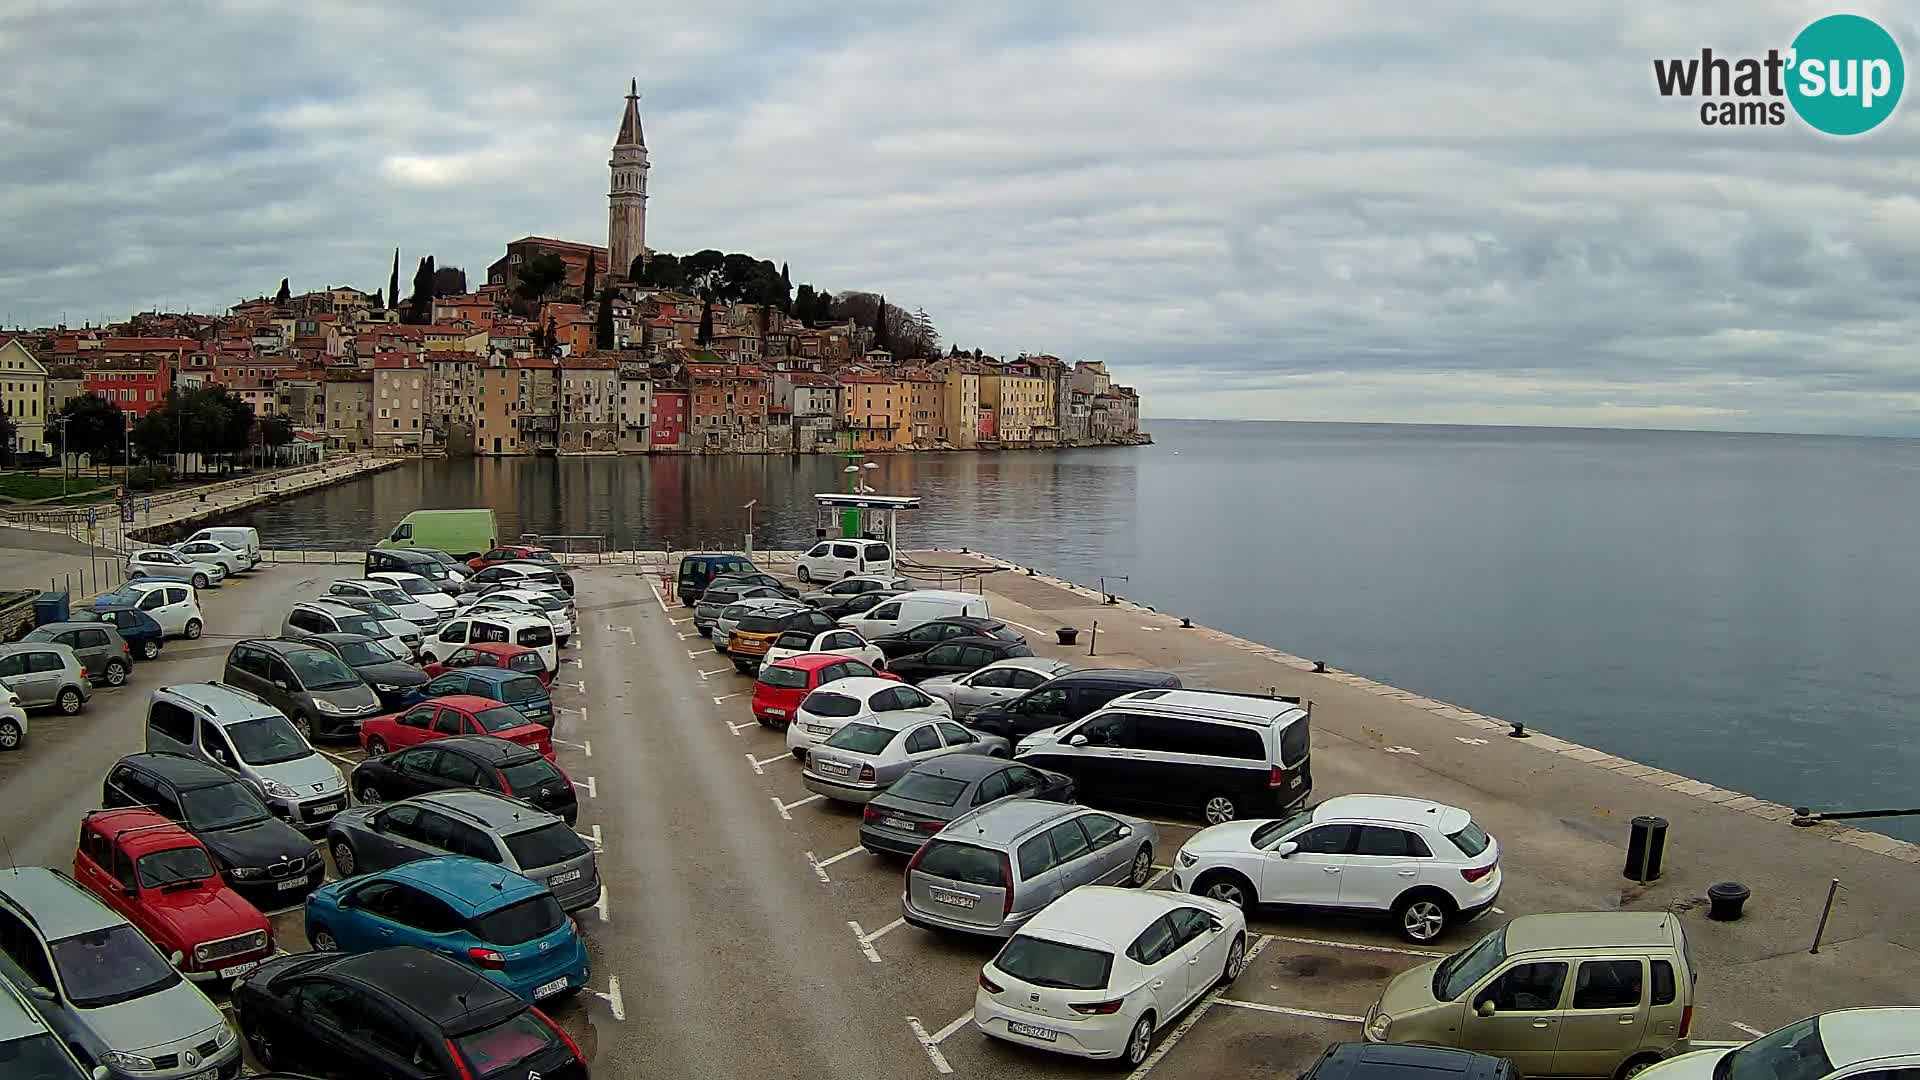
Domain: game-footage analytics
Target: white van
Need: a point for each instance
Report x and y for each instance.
(238, 537)
(532, 630)
(831, 560)
(908, 610)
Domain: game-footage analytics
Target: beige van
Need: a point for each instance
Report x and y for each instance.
(1595, 994)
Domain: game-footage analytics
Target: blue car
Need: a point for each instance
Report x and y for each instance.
(142, 634)
(506, 927)
(516, 689)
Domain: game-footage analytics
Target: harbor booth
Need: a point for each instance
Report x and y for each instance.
(862, 517)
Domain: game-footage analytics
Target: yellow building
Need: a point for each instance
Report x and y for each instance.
(958, 422)
(459, 338)
(1022, 405)
(23, 395)
(497, 428)
(877, 412)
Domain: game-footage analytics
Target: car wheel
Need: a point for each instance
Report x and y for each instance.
(116, 673)
(805, 577)
(149, 649)
(1220, 809)
(303, 724)
(199, 581)
(1142, 870)
(193, 629)
(704, 631)
(1139, 1042)
(370, 795)
(10, 735)
(263, 1048)
(1422, 916)
(322, 940)
(1226, 887)
(343, 858)
(1635, 1066)
(68, 702)
(376, 746)
(1236, 960)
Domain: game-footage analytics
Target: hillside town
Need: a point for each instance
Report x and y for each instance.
(571, 348)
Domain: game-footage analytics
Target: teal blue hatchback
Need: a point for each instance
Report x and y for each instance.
(505, 926)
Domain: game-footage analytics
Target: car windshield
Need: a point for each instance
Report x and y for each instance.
(391, 596)
(735, 612)
(861, 738)
(1794, 1052)
(1470, 840)
(113, 964)
(36, 1057)
(499, 718)
(429, 569)
(222, 806)
(414, 586)
(928, 788)
(170, 867)
(546, 845)
(365, 653)
(1053, 963)
(541, 555)
(267, 740)
(1457, 973)
(820, 703)
(366, 625)
(495, 1050)
(797, 640)
(528, 776)
(318, 669)
(517, 924)
(783, 678)
(1273, 830)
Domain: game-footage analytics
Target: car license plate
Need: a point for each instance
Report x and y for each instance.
(833, 767)
(318, 809)
(954, 899)
(562, 879)
(550, 989)
(816, 729)
(776, 712)
(238, 970)
(205, 1074)
(1031, 1032)
(292, 883)
(897, 823)
(1295, 782)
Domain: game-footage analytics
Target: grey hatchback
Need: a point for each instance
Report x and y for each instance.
(935, 792)
(42, 673)
(991, 870)
(493, 828)
(101, 649)
(860, 760)
(312, 686)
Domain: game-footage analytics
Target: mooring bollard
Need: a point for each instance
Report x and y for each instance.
(1319, 667)
(1068, 634)
(1519, 730)
(1725, 899)
(1094, 637)
(1646, 844)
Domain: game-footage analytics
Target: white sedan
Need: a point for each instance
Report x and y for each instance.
(1881, 1043)
(1002, 680)
(232, 560)
(833, 706)
(420, 589)
(841, 642)
(1102, 969)
(163, 565)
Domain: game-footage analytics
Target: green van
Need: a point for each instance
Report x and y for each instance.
(698, 568)
(462, 533)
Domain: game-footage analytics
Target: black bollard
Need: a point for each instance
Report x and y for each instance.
(1646, 844)
(1725, 899)
(1067, 635)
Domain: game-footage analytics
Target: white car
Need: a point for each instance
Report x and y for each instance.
(172, 604)
(1102, 969)
(232, 560)
(1882, 1043)
(840, 642)
(13, 721)
(1425, 862)
(833, 706)
(164, 565)
(426, 617)
(1000, 681)
(553, 605)
(333, 615)
(419, 589)
(830, 560)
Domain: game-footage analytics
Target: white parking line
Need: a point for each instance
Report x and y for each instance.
(765, 761)
(735, 728)
(684, 637)
(580, 685)
(612, 997)
(887, 929)
(600, 905)
(1352, 945)
(715, 671)
(593, 792)
(585, 746)
(783, 807)
(866, 945)
(1262, 1006)
(1193, 1017)
(1499, 911)
(691, 655)
(930, 1044)
(755, 764)
(1154, 881)
(728, 697)
(349, 762)
(845, 854)
(677, 622)
(576, 661)
(1748, 1028)
(1028, 629)
(598, 840)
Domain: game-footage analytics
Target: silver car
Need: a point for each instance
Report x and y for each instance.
(403, 606)
(730, 616)
(998, 682)
(862, 759)
(716, 600)
(42, 674)
(251, 739)
(104, 988)
(515, 835)
(99, 647)
(990, 871)
(335, 615)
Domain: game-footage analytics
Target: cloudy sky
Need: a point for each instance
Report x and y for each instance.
(1355, 211)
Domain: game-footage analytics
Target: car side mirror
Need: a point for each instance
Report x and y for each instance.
(41, 993)
(1215, 925)
(1077, 740)
(1485, 1008)
(176, 958)
(1125, 831)
(1286, 849)
(100, 1072)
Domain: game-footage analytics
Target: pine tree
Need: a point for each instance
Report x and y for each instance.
(586, 287)
(284, 294)
(603, 319)
(706, 320)
(393, 283)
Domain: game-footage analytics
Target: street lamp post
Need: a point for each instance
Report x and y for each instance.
(749, 509)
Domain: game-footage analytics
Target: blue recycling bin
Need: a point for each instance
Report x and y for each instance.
(49, 607)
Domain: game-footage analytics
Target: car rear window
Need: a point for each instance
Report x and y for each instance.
(820, 703)
(546, 845)
(534, 636)
(861, 738)
(1052, 963)
(1470, 840)
(499, 718)
(526, 661)
(516, 691)
(964, 862)
(528, 776)
(517, 924)
(495, 1050)
(757, 624)
(783, 678)
(1295, 742)
(719, 596)
(928, 788)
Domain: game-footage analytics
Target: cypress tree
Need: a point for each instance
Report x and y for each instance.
(553, 338)
(706, 320)
(393, 283)
(430, 273)
(786, 290)
(586, 288)
(603, 321)
(284, 294)
(880, 339)
(379, 299)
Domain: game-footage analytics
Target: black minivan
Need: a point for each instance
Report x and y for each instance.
(701, 567)
(402, 560)
(1064, 699)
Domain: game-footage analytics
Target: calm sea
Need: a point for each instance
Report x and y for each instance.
(1739, 608)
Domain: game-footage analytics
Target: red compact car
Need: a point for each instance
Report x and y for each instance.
(781, 684)
(164, 881)
(495, 654)
(511, 553)
(455, 714)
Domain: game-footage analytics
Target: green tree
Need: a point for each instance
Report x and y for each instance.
(419, 307)
(706, 320)
(786, 290)
(9, 431)
(586, 286)
(284, 294)
(379, 300)
(881, 338)
(95, 427)
(701, 267)
(157, 434)
(603, 322)
(449, 281)
(823, 306)
(393, 283)
(803, 303)
(539, 276)
(275, 433)
(553, 338)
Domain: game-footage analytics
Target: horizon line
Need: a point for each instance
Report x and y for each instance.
(1518, 427)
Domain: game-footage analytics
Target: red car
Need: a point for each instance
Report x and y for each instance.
(455, 714)
(511, 553)
(164, 881)
(495, 654)
(781, 684)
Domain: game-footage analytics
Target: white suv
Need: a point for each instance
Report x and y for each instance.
(1425, 862)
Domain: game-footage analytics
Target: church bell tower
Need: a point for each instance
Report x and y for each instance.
(627, 196)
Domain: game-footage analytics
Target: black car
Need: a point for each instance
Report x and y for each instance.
(1064, 699)
(266, 860)
(396, 681)
(403, 560)
(940, 789)
(477, 762)
(1396, 1061)
(756, 578)
(956, 656)
(928, 634)
(396, 1012)
(842, 606)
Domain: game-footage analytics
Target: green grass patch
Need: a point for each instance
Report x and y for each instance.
(33, 485)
